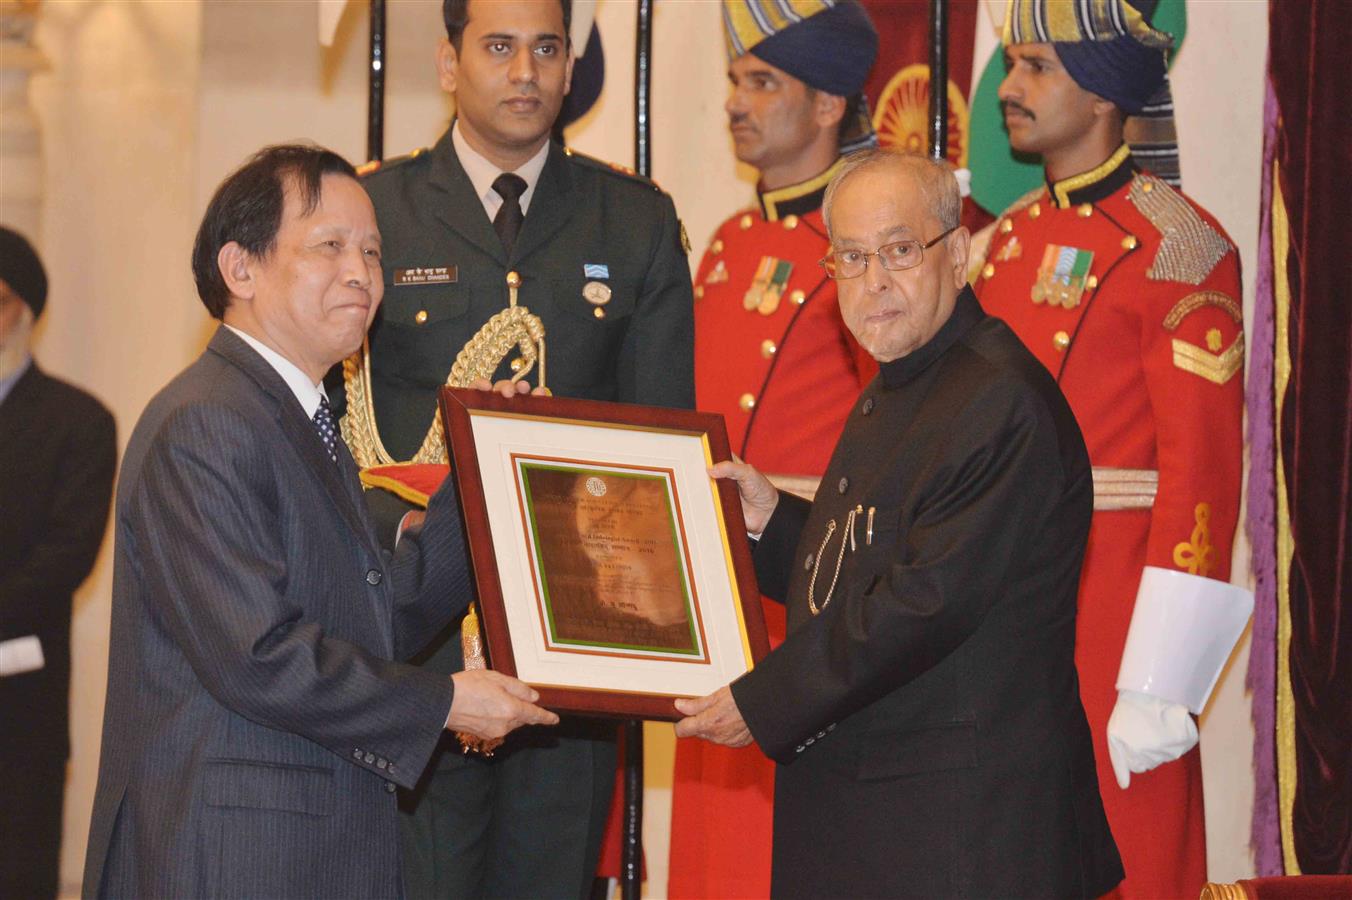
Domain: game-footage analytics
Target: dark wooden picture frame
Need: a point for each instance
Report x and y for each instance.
(459, 405)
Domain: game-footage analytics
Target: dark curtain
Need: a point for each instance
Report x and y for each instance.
(1311, 74)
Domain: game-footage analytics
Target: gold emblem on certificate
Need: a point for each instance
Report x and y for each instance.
(608, 556)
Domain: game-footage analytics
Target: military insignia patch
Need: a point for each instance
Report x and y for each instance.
(1010, 251)
(426, 275)
(718, 274)
(1062, 275)
(767, 287)
(1193, 302)
(685, 238)
(596, 293)
(1218, 368)
(1196, 554)
(1209, 362)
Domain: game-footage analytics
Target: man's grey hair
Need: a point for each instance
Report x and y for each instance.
(935, 177)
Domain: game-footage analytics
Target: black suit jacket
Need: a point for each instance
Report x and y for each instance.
(255, 726)
(58, 454)
(928, 720)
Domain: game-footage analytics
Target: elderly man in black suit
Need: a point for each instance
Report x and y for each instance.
(58, 453)
(924, 707)
(257, 725)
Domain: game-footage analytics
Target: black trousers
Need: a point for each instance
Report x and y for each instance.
(31, 794)
(527, 823)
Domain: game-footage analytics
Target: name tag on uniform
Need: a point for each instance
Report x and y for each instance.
(426, 275)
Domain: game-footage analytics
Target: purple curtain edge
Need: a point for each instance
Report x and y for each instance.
(1261, 524)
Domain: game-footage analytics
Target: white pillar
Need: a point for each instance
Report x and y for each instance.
(20, 134)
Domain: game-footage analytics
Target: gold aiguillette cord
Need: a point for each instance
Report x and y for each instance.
(515, 327)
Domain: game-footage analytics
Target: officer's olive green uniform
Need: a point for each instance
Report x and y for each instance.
(527, 823)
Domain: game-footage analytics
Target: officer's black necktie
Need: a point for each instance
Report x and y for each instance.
(327, 426)
(507, 223)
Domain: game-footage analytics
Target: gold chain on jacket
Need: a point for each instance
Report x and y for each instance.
(846, 541)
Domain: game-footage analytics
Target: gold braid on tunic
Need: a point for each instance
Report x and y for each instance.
(1189, 247)
(514, 326)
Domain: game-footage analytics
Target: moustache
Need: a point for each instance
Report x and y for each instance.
(740, 119)
(1007, 105)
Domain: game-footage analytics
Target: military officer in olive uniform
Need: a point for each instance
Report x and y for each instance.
(497, 215)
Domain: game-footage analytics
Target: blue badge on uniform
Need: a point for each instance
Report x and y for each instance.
(595, 270)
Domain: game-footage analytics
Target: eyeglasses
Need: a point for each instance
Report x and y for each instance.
(895, 256)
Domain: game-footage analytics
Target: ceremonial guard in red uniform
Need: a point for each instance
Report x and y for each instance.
(1129, 293)
(773, 356)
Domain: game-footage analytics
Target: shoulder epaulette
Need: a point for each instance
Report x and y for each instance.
(742, 219)
(982, 240)
(380, 165)
(613, 168)
(979, 249)
(1024, 201)
(1189, 247)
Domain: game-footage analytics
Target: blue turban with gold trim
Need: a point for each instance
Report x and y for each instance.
(1107, 46)
(829, 45)
(1110, 49)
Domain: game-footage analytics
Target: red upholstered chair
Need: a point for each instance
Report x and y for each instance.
(1288, 887)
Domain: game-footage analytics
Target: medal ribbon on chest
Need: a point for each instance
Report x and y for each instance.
(1062, 275)
(767, 287)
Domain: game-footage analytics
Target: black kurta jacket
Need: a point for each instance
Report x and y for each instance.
(928, 721)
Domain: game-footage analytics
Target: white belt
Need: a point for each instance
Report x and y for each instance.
(1113, 488)
(1124, 488)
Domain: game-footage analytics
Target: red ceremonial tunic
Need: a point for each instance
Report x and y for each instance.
(1130, 294)
(784, 374)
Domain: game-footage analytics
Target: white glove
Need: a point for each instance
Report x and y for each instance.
(1144, 731)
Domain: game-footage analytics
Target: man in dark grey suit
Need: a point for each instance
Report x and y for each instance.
(256, 727)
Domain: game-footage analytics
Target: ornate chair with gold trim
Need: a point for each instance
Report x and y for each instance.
(1283, 887)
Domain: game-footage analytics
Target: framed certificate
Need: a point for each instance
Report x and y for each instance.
(613, 573)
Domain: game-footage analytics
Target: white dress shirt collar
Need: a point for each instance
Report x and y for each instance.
(7, 383)
(482, 173)
(306, 391)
